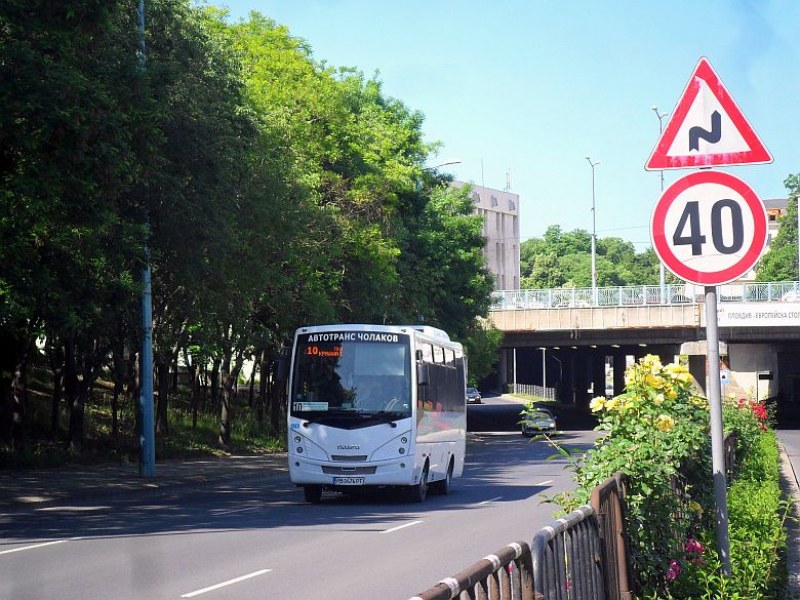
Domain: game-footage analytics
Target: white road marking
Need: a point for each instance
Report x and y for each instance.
(401, 526)
(490, 500)
(544, 482)
(237, 510)
(34, 546)
(226, 583)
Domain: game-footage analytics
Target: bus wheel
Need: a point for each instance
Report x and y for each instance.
(443, 487)
(420, 491)
(313, 493)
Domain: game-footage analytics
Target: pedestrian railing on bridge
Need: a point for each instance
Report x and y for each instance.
(643, 295)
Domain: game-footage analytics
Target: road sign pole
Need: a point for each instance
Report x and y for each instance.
(717, 441)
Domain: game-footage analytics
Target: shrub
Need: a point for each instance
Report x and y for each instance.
(657, 434)
(756, 530)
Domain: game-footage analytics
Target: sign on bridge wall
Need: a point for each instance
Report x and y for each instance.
(761, 314)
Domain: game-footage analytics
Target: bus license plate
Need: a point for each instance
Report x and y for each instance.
(348, 481)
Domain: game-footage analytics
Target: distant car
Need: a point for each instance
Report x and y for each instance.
(791, 296)
(473, 396)
(537, 419)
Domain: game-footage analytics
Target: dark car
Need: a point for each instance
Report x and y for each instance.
(537, 419)
(473, 396)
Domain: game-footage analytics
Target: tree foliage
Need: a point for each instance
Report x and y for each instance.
(563, 259)
(780, 263)
(266, 189)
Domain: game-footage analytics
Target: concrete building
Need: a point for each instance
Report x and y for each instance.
(500, 212)
(776, 210)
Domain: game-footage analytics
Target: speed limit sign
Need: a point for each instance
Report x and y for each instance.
(709, 228)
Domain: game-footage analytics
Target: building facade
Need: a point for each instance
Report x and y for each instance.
(500, 212)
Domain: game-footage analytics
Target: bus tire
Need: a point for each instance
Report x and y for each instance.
(420, 491)
(443, 487)
(313, 493)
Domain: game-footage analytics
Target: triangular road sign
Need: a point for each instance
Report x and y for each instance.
(706, 129)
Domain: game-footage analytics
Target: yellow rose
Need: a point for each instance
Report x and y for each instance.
(597, 403)
(664, 423)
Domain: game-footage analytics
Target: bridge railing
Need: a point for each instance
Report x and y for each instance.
(643, 295)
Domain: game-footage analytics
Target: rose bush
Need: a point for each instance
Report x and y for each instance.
(657, 433)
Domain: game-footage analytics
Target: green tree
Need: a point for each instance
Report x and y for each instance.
(780, 262)
(560, 259)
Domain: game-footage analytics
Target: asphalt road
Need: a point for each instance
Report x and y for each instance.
(258, 539)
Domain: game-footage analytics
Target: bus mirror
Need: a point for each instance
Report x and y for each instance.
(422, 374)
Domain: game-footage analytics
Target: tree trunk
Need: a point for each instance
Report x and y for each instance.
(19, 398)
(57, 366)
(214, 383)
(162, 417)
(73, 398)
(229, 378)
(262, 387)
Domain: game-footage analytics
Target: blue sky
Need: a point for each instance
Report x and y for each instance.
(525, 90)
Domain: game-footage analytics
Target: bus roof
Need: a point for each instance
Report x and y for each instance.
(427, 330)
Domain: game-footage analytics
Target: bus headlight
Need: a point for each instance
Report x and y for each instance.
(392, 448)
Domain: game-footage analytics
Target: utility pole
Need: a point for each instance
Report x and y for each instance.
(147, 446)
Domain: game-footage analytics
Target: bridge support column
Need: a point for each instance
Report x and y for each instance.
(598, 373)
(697, 367)
(620, 364)
(502, 370)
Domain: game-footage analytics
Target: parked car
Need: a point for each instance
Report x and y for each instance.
(537, 419)
(473, 396)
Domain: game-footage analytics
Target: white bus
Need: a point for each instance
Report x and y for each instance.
(376, 405)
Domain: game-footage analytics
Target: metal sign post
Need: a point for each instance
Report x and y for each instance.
(717, 441)
(709, 227)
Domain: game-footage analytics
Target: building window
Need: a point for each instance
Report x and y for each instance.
(512, 205)
(494, 201)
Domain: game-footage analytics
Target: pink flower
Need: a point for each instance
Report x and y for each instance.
(673, 571)
(693, 546)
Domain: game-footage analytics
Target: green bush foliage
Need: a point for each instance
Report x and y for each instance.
(658, 434)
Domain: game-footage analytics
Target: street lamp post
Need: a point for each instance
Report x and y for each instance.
(451, 161)
(662, 275)
(147, 448)
(594, 236)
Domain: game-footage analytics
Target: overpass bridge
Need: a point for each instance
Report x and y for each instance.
(578, 341)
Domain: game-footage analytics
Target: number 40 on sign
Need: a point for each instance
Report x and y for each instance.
(709, 228)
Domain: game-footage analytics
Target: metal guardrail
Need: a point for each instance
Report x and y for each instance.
(548, 393)
(567, 558)
(608, 502)
(643, 295)
(505, 575)
(583, 556)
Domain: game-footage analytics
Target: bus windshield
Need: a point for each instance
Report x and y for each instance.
(351, 375)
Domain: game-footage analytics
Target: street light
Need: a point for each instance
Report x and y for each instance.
(450, 161)
(594, 237)
(662, 275)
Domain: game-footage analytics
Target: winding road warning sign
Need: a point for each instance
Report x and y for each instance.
(706, 129)
(709, 228)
